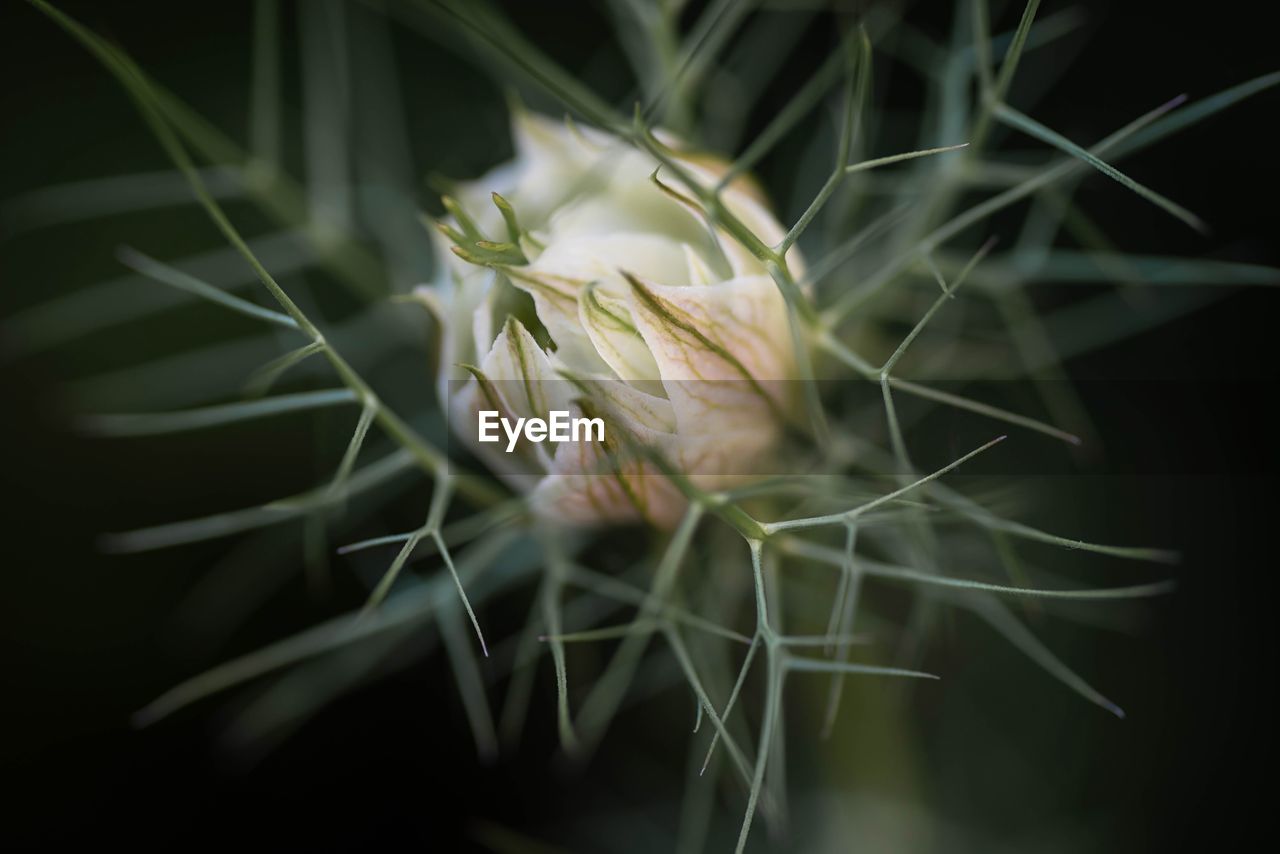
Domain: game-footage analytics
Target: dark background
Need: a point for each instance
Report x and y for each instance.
(88, 636)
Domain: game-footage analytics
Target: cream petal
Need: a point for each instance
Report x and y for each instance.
(555, 298)
(589, 499)
(630, 202)
(600, 257)
(523, 376)
(722, 351)
(608, 322)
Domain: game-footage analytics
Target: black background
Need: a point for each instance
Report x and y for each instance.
(87, 637)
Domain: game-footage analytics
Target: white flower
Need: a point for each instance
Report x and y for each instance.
(584, 283)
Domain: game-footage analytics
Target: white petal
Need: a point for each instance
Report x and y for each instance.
(723, 351)
(523, 375)
(555, 298)
(600, 257)
(607, 320)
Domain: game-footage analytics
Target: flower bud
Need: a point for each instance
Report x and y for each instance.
(577, 279)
